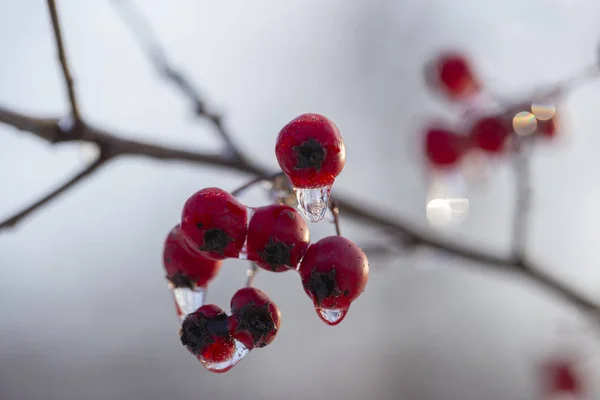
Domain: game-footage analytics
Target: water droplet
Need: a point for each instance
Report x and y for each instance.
(188, 300)
(89, 151)
(524, 123)
(224, 366)
(313, 202)
(331, 316)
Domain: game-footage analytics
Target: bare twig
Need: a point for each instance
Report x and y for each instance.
(335, 212)
(63, 61)
(522, 174)
(240, 190)
(135, 19)
(87, 171)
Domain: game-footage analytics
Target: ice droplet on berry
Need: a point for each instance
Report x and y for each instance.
(188, 300)
(313, 202)
(224, 366)
(331, 316)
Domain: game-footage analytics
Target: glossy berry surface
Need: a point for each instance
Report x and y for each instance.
(334, 272)
(277, 238)
(255, 319)
(205, 333)
(451, 74)
(184, 267)
(443, 147)
(214, 223)
(490, 133)
(310, 151)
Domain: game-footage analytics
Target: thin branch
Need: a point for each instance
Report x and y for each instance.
(87, 171)
(522, 176)
(240, 190)
(135, 19)
(402, 230)
(335, 212)
(63, 61)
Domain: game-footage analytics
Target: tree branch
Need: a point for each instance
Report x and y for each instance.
(137, 22)
(63, 61)
(404, 231)
(522, 176)
(87, 171)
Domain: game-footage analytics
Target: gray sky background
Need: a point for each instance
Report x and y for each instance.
(85, 312)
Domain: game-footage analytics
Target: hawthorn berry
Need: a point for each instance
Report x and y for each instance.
(205, 333)
(255, 319)
(561, 377)
(186, 268)
(451, 74)
(444, 147)
(277, 237)
(214, 223)
(310, 151)
(490, 133)
(334, 272)
(547, 128)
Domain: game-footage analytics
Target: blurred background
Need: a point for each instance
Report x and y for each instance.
(85, 312)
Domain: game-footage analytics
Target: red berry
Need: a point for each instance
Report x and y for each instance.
(334, 272)
(561, 377)
(547, 128)
(205, 333)
(214, 223)
(443, 147)
(255, 319)
(452, 74)
(490, 133)
(277, 238)
(184, 267)
(310, 151)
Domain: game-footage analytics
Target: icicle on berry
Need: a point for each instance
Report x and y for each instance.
(255, 319)
(205, 333)
(277, 238)
(444, 148)
(450, 73)
(214, 223)
(188, 273)
(490, 133)
(311, 153)
(334, 272)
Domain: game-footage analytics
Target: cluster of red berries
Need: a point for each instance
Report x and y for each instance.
(451, 75)
(216, 226)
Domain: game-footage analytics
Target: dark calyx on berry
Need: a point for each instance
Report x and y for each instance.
(276, 253)
(180, 280)
(216, 240)
(197, 331)
(256, 320)
(323, 285)
(310, 154)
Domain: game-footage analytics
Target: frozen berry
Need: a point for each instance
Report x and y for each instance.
(277, 237)
(490, 133)
(186, 268)
(254, 318)
(205, 333)
(310, 151)
(214, 223)
(334, 272)
(443, 147)
(451, 74)
(561, 377)
(547, 128)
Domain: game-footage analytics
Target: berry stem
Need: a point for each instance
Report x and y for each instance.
(240, 190)
(522, 172)
(251, 274)
(335, 211)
